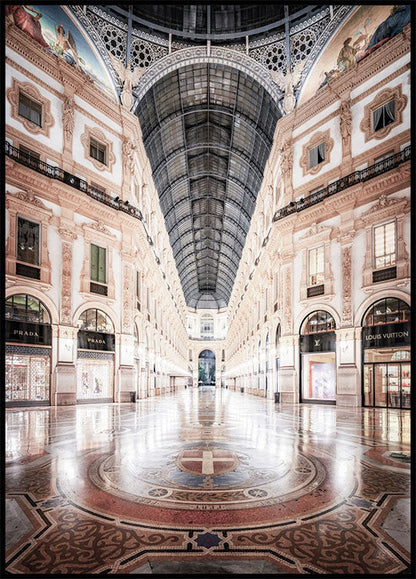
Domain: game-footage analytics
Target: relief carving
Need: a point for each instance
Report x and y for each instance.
(127, 313)
(68, 118)
(346, 285)
(66, 282)
(288, 299)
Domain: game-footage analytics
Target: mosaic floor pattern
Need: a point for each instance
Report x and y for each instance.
(207, 475)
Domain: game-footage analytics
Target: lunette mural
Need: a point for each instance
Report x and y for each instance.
(365, 31)
(54, 28)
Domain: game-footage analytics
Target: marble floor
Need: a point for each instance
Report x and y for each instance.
(204, 482)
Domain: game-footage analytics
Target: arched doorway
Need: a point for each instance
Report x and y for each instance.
(28, 335)
(317, 358)
(386, 354)
(206, 368)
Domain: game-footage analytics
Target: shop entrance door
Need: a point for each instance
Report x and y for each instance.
(387, 385)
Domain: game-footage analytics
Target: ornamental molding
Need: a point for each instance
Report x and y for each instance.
(385, 208)
(33, 93)
(315, 234)
(383, 97)
(316, 139)
(27, 198)
(198, 55)
(100, 136)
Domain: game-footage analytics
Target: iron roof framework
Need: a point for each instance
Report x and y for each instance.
(208, 131)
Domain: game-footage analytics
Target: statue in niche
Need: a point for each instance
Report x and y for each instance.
(129, 79)
(288, 83)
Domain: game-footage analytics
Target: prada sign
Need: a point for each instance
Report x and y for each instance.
(95, 341)
(324, 342)
(386, 335)
(28, 333)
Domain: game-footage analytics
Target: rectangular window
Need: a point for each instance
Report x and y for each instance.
(316, 155)
(384, 116)
(316, 267)
(98, 264)
(385, 245)
(30, 110)
(28, 237)
(98, 151)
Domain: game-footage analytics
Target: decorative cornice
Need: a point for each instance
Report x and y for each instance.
(384, 208)
(380, 59)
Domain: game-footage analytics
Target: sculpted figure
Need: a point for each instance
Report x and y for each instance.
(288, 83)
(129, 78)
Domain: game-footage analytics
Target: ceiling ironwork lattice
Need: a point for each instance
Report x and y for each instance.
(208, 131)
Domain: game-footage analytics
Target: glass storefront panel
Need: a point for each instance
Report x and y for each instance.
(405, 375)
(393, 385)
(368, 385)
(94, 379)
(27, 378)
(380, 384)
(318, 376)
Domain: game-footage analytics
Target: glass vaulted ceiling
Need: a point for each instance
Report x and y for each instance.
(208, 131)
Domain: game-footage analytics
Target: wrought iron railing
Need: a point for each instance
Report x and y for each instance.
(293, 207)
(340, 184)
(71, 180)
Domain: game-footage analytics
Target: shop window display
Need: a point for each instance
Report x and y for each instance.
(386, 354)
(318, 363)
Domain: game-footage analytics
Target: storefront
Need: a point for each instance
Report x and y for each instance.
(386, 354)
(317, 358)
(28, 334)
(95, 363)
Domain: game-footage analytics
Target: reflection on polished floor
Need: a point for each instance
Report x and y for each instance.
(207, 480)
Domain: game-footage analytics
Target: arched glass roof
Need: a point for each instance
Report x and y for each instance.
(208, 130)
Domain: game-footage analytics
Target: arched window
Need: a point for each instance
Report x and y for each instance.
(278, 333)
(387, 311)
(26, 309)
(95, 320)
(207, 327)
(318, 322)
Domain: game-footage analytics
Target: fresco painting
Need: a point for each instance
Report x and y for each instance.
(54, 28)
(365, 31)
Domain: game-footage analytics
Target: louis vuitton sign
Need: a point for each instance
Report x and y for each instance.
(386, 335)
(324, 342)
(95, 341)
(28, 333)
